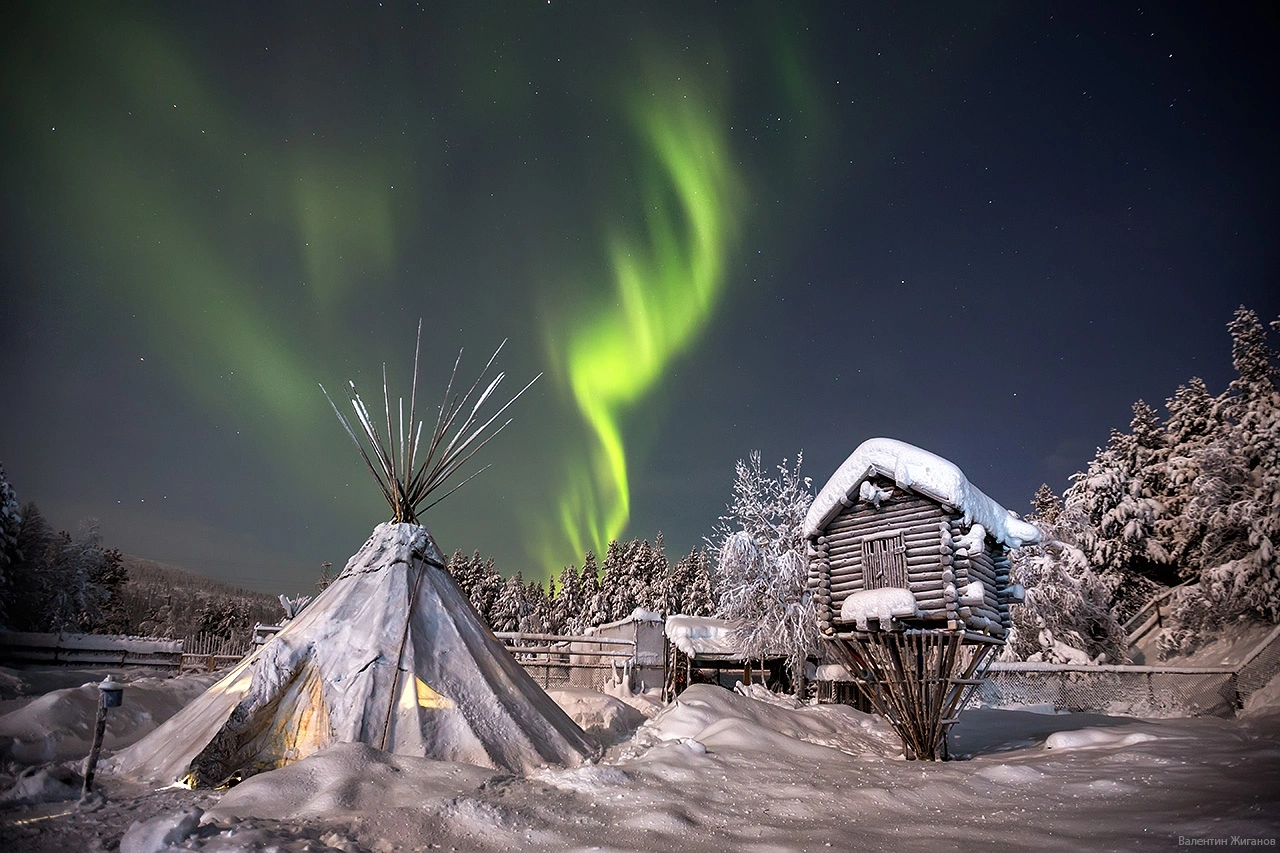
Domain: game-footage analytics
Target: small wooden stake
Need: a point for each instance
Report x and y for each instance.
(99, 729)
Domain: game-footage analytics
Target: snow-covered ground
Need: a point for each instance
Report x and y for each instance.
(721, 771)
(58, 725)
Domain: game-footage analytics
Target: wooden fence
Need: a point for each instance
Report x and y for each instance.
(559, 661)
(89, 650)
(198, 652)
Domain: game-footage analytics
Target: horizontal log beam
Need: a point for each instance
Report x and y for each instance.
(879, 520)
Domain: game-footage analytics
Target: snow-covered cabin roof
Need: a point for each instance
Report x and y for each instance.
(637, 615)
(922, 472)
(702, 636)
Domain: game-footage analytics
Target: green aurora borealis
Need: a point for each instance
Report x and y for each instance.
(199, 212)
(668, 280)
(713, 228)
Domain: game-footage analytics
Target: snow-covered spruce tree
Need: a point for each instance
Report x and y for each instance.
(1045, 506)
(64, 583)
(30, 580)
(460, 570)
(698, 596)
(479, 579)
(1194, 423)
(620, 585)
(654, 577)
(632, 577)
(593, 610)
(510, 605)
(219, 618)
(1065, 617)
(10, 525)
(567, 602)
(761, 571)
(1117, 501)
(1235, 502)
(535, 615)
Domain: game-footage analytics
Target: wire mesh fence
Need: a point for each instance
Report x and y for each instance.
(1259, 667)
(552, 676)
(1125, 691)
(1140, 691)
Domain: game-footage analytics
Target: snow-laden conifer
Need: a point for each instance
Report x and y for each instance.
(10, 526)
(1066, 615)
(761, 571)
(1235, 501)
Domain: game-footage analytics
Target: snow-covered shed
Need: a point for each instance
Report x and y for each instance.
(899, 537)
(644, 629)
(702, 648)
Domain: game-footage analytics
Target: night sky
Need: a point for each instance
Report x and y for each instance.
(986, 229)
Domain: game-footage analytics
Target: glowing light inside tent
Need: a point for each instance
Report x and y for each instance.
(428, 698)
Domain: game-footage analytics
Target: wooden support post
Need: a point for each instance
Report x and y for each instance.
(100, 728)
(917, 680)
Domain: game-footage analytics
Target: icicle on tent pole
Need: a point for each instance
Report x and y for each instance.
(909, 569)
(391, 654)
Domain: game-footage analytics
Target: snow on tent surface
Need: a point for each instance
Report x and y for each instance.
(921, 471)
(391, 655)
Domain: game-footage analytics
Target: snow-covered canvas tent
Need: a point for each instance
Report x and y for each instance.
(909, 566)
(391, 655)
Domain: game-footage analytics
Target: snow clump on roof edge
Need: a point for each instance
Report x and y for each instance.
(701, 635)
(922, 472)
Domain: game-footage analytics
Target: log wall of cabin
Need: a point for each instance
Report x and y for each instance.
(835, 555)
(991, 567)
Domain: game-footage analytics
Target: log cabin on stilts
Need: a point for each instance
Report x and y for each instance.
(909, 567)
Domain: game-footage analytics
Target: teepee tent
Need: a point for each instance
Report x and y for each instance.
(391, 654)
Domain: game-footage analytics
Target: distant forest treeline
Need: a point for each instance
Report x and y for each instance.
(634, 575)
(54, 581)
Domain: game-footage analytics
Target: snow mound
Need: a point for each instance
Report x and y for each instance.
(191, 829)
(159, 833)
(585, 779)
(355, 790)
(1011, 774)
(713, 716)
(347, 780)
(648, 702)
(11, 683)
(1092, 738)
(761, 693)
(59, 725)
(922, 472)
(44, 785)
(604, 718)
